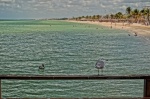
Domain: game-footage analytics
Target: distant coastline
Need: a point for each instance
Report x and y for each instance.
(136, 21)
(35, 19)
(138, 28)
(132, 28)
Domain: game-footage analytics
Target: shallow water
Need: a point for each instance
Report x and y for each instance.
(67, 49)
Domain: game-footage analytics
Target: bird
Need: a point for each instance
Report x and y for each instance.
(42, 66)
(100, 65)
(135, 34)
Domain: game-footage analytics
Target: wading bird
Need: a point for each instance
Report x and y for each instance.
(135, 34)
(42, 66)
(100, 65)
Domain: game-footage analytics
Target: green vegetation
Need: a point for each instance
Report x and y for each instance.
(131, 16)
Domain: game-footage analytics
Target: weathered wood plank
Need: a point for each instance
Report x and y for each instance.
(83, 77)
(0, 90)
(78, 98)
(147, 88)
(71, 77)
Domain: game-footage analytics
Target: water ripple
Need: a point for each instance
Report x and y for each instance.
(67, 50)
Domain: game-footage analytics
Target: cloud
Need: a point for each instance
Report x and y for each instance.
(135, 1)
(7, 0)
(67, 8)
(144, 0)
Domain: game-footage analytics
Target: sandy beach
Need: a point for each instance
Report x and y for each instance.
(132, 28)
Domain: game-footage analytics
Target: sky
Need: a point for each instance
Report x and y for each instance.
(37, 9)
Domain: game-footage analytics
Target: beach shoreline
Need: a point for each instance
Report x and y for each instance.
(134, 28)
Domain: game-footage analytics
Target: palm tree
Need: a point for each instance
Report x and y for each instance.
(128, 11)
(112, 16)
(83, 17)
(143, 13)
(87, 17)
(79, 18)
(94, 17)
(98, 17)
(148, 15)
(119, 15)
(90, 17)
(136, 14)
(106, 16)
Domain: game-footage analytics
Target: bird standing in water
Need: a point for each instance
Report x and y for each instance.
(100, 65)
(135, 34)
(42, 66)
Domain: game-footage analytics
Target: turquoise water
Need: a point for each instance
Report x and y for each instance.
(70, 49)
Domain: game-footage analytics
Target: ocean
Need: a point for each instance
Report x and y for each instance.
(67, 48)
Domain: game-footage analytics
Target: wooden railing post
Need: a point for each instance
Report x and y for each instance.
(0, 90)
(146, 88)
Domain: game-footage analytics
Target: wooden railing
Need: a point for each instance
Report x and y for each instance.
(146, 79)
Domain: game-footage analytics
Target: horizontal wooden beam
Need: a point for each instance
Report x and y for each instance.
(71, 77)
(0, 90)
(80, 98)
(76, 98)
(82, 77)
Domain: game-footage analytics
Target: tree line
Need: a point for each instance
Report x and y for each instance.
(131, 15)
